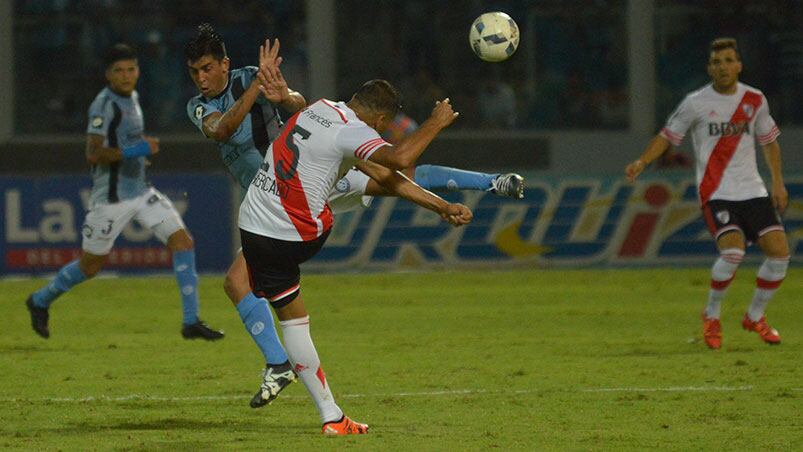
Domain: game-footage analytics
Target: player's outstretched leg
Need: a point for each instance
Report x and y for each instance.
(770, 275)
(444, 178)
(307, 365)
(39, 302)
(722, 274)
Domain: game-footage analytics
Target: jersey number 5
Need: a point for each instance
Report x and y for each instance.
(291, 144)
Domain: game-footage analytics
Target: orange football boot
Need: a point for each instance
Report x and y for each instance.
(344, 426)
(767, 333)
(712, 332)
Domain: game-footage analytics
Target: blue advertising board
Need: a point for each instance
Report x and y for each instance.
(42, 219)
(570, 221)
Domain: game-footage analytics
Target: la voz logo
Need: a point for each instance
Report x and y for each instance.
(43, 218)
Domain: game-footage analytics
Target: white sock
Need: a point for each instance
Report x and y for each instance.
(307, 365)
(721, 276)
(770, 275)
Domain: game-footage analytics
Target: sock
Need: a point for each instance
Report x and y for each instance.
(308, 367)
(434, 177)
(721, 276)
(67, 277)
(258, 320)
(770, 275)
(187, 278)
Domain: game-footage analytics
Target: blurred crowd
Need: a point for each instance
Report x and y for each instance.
(570, 71)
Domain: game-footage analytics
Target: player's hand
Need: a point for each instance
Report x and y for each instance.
(153, 142)
(633, 170)
(780, 198)
(457, 214)
(271, 81)
(443, 115)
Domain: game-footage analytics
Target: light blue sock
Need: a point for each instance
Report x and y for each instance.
(434, 177)
(67, 277)
(187, 278)
(258, 320)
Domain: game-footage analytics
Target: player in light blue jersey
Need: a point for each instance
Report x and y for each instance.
(243, 121)
(117, 149)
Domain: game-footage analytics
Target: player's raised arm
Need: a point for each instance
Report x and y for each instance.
(397, 184)
(407, 151)
(271, 81)
(657, 146)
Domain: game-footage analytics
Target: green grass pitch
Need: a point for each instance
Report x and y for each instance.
(526, 360)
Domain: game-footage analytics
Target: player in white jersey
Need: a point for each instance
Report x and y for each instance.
(285, 218)
(726, 118)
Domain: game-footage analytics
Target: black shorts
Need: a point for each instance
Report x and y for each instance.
(753, 217)
(273, 265)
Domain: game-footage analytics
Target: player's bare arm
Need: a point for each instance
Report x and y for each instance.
(271, 81)
(772, 155)
(405, 154)
(395, 183)
(97, 154)
(221, 126)
(655, 149)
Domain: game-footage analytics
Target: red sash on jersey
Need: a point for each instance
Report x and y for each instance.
(726, 146)
(295, 203)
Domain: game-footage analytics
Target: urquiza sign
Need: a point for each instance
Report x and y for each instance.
(43, 217)
(572, 221)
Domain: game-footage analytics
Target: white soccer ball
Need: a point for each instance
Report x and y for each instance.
(494, 36)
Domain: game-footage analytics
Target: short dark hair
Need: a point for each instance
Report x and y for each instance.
(119, 52)
(725, 43)
(206, 42)
(380, 96)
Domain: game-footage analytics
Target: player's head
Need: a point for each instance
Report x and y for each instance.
(207, 61)
(122, 69)
(724, 63)
(376, 103)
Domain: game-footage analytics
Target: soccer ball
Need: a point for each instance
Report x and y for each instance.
(494, 36)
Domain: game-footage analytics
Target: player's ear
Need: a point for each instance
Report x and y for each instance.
(225, 63)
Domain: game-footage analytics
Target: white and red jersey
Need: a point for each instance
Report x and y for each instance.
(287, 198)
(724, 131)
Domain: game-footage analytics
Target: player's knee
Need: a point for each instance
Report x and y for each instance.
(180, 241)
(90, 268)
(775, 267)
(725, 267)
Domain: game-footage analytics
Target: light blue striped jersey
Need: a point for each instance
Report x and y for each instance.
(243, 152)
(118, 119)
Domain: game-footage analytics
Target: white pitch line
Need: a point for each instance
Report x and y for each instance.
(143, 397)
(675, 389)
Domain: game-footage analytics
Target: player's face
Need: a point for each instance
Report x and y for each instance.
(209, 74)
(724, 68)
(122, 76)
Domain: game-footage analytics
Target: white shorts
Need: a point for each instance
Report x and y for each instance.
(349, 192)
(104, 222)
